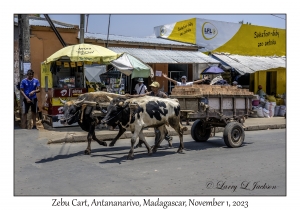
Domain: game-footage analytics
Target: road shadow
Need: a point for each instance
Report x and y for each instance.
(164, 151)
(215, 142)
(81, 153)
(116, 151)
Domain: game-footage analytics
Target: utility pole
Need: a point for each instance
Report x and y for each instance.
(106, 45)
(24, 53)
(87, 22)
(82, 17)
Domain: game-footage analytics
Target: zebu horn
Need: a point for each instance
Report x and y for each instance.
(62, 101)
(79, 102)
(109, 98)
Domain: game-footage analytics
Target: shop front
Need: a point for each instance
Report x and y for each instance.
(63, 77)
(251, 47)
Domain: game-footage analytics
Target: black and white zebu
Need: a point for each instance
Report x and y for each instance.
(86, 110)
(143, 112)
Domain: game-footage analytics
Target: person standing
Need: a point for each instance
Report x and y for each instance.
(140, 87)
(235, 83)
(29, 87)
(184, 82)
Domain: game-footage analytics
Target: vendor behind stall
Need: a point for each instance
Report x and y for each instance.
(260, 92)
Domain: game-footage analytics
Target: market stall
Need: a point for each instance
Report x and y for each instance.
(131, 68)
(63, 77)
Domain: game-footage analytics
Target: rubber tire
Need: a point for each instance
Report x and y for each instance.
(234, 134)
(195, 132)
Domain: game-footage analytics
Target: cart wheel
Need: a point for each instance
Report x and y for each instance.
(234, 134)
(198, 133)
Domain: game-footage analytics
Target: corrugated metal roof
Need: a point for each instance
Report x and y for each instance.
(39, 21)
(150, 40)
(166, 56)
(251, 64)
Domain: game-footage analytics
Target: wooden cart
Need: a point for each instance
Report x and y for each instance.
(224, 107)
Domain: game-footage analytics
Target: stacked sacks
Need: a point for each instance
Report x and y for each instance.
(276, 112)
(266, 113)
(270, 106)
(259, 111)
(282, 110)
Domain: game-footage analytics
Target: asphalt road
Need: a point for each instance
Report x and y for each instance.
(211, 168)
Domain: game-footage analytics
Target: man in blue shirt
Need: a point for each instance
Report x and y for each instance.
(29, 87)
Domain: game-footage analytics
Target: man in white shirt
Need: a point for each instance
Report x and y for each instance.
(140, 87)
(183, 81)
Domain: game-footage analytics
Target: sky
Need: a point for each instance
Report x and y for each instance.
(142, 25)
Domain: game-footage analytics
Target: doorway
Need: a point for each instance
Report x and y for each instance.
(271, 83)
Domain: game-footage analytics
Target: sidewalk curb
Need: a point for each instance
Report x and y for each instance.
(82, 136)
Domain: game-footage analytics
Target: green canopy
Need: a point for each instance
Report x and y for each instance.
(130, 65)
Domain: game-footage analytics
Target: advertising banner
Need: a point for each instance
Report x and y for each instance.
(46, 76)
(183, 31)
(233, 38)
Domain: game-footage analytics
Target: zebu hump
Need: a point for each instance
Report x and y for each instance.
(99, 96)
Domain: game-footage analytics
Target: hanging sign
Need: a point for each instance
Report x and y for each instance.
(58, 63)
(26, 67)
(79, 63)
(73, 64)
(66, 64)
(158, 73)
(46, 76)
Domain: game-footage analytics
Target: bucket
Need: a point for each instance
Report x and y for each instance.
(255, 102)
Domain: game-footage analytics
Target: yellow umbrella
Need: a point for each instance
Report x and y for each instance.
(85, 52)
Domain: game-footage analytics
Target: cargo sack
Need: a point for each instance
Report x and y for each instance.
(271, 98)
(282, 110)
(270, 106)
(259, 112)
(266, 113)
(276, 112)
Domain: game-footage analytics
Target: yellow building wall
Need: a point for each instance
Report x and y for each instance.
(281, 81)
(260, 78)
